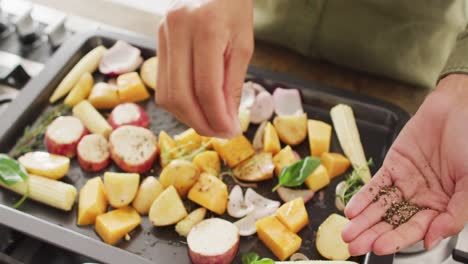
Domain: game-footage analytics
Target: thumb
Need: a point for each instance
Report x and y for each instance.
(452, 221)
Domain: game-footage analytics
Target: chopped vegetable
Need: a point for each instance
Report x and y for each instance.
(296, 174)
(346, 189)
(91, 118)
(120, 58)
(287, 102)
(233, 151)
(149, 72)
(258, 168)
(183, 227)
(131, 88)
(63, 135)
(262, 109)
(92, 201)
(150, 189)
(210, 192)
(283, 159)
(350, 141)
(45, 164)
(181, 174)
(335, 163)
(329, 242)
(257, 141)
(318, 179)
(254, 258)
(167, 209)
(271, 141)
(292, 129)
(293, 215)
(114, 225)
(288, 194)
(319, 137)
(236, 204)
(11, 174)
(104, 96)
(121, 188)
(81, 90)
(208, 161)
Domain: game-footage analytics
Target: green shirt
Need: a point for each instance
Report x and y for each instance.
(416, 41)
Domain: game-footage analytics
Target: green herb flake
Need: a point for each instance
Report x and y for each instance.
(254, 258)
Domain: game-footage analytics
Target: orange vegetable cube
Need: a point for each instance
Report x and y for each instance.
(284, 158)
(293, 215)
(271, 141)
(319, 137)
(335, 163)
(210, 192)
(277, 237)
(131, 88)
(114, 225)
(233, 151)
(318, 179)
(189, 140)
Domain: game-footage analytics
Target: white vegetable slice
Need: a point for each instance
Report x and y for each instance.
(257, 141)
(255, 199)
(288, 194)
(236, 205)
(350, 141)
(263, 108)
(246, 225)
(339, 195)
(287, 102)
(247, 97)
(120, 58)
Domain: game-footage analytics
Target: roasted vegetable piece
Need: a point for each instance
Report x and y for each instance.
(167, 209)
(210, 192)
(45, 164)
(329, 242)
(271, 141)
(335, 163)
(318, 179)
(258, 168)
(293, 215)
(149, 72)
(150, 189)
(319, 137)
(233, 151)
(92, 201)
(81, 90)
(181, 174)
(104, 96)
(166, 146)
(284, 158)
(63, 134)
(291, 129)
(114, 225)
(208, 161)
(187, 141)
(131, 88)
(93, 152)
(183, 227)
(121, 188)
(91, 118)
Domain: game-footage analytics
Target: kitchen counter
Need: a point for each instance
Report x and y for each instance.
(266, 56)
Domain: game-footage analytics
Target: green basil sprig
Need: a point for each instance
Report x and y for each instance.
(12, 172)
(254, 258)
(297, 173)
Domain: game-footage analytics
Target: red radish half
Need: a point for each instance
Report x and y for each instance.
(287, 102)
(213, 240)
(287, 194)
(93, 152)
(120, 58)
(128, 114)
(63, 134)
(133, 148)
(236, 205)
(262, 109)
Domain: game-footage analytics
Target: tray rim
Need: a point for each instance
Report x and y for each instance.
(95, 249)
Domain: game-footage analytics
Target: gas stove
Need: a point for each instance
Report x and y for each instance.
(29, 35)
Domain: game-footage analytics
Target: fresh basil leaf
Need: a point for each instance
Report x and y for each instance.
(11, 171)
(250, 258)
(264, 261)
(297, 173)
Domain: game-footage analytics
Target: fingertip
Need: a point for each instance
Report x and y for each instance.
(381, 247)
(346, 233)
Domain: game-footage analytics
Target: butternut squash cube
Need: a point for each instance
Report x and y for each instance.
(208, 161)
(104, 96)
(92, 201)
(210, 192)
(319, 137)
(166, 146)
(271, 141)
(114, 225)
(233, 151)
(284, 158)
(293, 215)
(188, 141)
(335, 163)
(208, 142)
(277, 237)
(292, 129)
(318, 179)
(131, 88)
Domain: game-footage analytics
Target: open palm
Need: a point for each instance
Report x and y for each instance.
(428, 165)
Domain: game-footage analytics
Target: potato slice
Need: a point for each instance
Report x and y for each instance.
(45, 164)
(329, 242)
(121, 188)
(114, 225)
(181, 174)
(92, 201)
(167, 209)
(149, 190)
(208, 161)
(271, 141)
(183, 227)
(319, 137)
(258, 168)
(210, 192)
(292, 129)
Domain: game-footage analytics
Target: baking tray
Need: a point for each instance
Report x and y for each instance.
(379, 123)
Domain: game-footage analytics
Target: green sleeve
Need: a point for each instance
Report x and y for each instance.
(458, 59)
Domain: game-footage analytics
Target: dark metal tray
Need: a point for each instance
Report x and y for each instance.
(379, 123)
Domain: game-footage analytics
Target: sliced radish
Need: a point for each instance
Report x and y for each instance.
(213, 240)
(120, 58)
(236, 205)
(128, 114)
(262, 108)
(133, 148)
(246, 225)
(296, 155)
(258, 201)
(287, 102)
(93, 152)
(247, 97)
(63, 134)
(287, 194)
(257, 141)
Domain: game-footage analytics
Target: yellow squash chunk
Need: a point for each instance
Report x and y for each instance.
(244, 118)
(208, 161)
(131, 88)
(92, 119)
(188, 141)
(208, 142)
(92, 201)
(292, 129)
(319, 137)
(233, 151)
(114, 225)
(81, 90)
(277, 237)
(293, 215)
(166, 146)
(45, 164)
(104, 96)
(271, 141)
(284, 158)
(181, 174)
(150, 189)
(318, 178)
(210, 192)
(121, 188)
(329, 242)
(167, 209)
(335, 163)
(183, 227)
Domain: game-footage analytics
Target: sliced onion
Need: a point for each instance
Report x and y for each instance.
(298, 257)
(238, 182)
(263, 108)
(252, 198)
(287, 102)
(247, 97)
(246, 225)
(339, 194)
(236, 205)
(288, 194)
(120, 58)
(257, 141)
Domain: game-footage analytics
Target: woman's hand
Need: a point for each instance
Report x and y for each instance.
(428, 164)
(204, 49)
